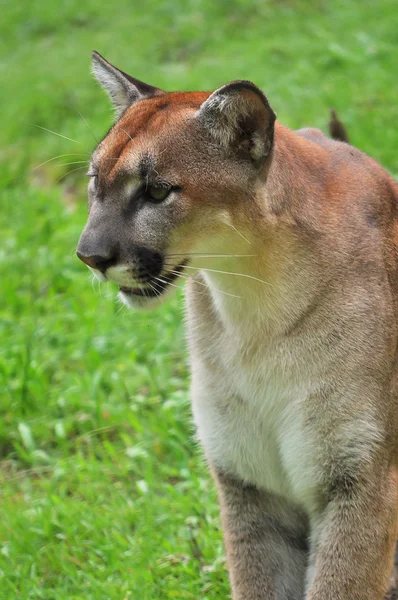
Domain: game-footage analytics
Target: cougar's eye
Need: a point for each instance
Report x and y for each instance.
(93, 177)
(157, 193)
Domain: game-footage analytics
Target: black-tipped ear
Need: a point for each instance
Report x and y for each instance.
(123, 89)
(238, 117)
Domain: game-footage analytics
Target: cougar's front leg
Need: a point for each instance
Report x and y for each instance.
(353, 544)
(266, 542)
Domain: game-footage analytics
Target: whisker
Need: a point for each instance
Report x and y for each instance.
(227, 273)
(93, 281)
(167, 282)
(127, 133)
(217, 290)
(75, 162)
(206, 286)
(60, 156)
(58, 134)
(69, 172)
(154, 289)
(212, 255)
(85, 120)
(120, 308)
(239, 233)
(100, 288)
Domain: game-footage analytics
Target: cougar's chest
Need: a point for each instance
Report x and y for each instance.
(248, 403)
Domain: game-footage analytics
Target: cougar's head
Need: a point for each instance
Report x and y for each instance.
(175, 172)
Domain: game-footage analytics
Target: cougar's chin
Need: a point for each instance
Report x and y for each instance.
(154, 292)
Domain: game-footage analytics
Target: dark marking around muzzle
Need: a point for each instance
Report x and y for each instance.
(149, 263)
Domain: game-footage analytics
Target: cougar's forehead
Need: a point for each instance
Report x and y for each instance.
(145, 129)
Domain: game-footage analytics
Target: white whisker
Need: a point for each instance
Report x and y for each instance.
(205, 285)
(217, 290)
(58, 134)
(59, 156)
(239, 233)
(154, 289)
(85, 120)
(127, 133)
(167, 282)
(69, 172)
(227, 273)
(75, 162)
(120, 307)
(198, 255)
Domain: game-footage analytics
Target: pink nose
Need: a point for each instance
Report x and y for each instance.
(100, 263)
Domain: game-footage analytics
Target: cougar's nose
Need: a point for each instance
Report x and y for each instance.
(96, 261)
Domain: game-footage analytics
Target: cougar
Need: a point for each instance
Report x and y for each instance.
(287, 241)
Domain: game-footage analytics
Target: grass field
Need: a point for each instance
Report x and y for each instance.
(104, 494)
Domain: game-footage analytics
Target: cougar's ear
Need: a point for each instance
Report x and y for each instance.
(238, 117)
(123, 89)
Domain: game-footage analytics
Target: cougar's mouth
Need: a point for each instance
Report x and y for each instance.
(157, 286)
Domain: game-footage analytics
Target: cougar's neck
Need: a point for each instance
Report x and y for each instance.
(269, 274)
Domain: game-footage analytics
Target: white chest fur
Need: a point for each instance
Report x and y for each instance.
(248, 403)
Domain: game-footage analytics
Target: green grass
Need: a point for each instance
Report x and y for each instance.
(104, 493)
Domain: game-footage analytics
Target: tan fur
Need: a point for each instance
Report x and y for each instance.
(289, 242)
